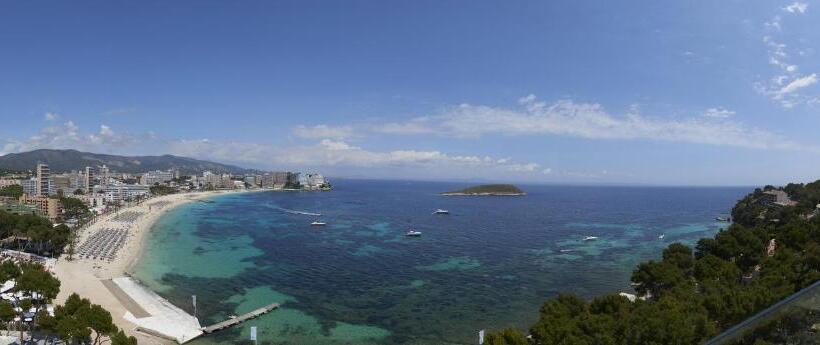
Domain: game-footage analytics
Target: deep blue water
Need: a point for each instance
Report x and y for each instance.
(489, 264)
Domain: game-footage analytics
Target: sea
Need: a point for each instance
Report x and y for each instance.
(489, 264)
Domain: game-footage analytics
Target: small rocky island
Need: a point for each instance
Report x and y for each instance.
(489, 190)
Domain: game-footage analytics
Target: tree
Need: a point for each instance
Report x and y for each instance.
(13, 191)
(100, 322)
(77, 319)
(121, 339)
(46, 323)
(35, 279)
(74, 208)
(7, 314)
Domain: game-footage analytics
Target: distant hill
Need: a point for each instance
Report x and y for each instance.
(489, 189)
(67, 160)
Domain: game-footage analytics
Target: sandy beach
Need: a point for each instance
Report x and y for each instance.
(85, 276)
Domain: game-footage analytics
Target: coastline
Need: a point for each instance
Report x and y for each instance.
(85, 276)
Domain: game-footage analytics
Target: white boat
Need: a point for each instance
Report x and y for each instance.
(661, 236)
(590, 238)
(318, 223)
(440, 211)
(413, 233)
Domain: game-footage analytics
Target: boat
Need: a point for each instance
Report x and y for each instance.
(440, 211)
(318, 223)
(413, 233)
(590, 238)
(661, 236)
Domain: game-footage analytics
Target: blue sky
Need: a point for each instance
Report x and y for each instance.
(641, 92)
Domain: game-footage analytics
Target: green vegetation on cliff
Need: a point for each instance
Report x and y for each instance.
(692, 295)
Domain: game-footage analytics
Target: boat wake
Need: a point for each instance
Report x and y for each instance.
(298, 212)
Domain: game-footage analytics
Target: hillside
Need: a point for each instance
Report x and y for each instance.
(488, 189)
(67, 160)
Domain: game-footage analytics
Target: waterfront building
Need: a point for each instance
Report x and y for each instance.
(251, 180)
(280, 179)
(5, 182)
(62, 182)
(267, 181)
(153, 177)
(292, 180)
(88, 177)
(313, 181)
(117, 192)
(105, 175)
(29, 186)
(47, 207)
(225, 181)
(43, 180)
(776, 198)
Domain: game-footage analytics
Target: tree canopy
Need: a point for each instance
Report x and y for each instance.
(691, 296)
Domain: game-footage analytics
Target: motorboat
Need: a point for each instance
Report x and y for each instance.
(318, 223)
(413, 233)
(440, 211)
(661, 236)
(590, 238)
(723, 219)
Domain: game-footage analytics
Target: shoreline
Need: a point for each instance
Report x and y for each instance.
(85, 276)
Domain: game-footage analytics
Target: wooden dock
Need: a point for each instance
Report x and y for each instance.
(239, 319)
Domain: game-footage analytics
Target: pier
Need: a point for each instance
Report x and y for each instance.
(239, 319)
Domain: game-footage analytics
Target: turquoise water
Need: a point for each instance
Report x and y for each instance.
(359, 280)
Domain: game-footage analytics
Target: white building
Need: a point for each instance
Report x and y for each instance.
(117, 191)
(153, 177)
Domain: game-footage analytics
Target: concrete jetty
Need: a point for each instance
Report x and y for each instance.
(153, 314)
(241, 318)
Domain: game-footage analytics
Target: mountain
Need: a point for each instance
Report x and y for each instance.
(67, 160)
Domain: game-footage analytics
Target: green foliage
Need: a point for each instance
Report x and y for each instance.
(14, 191)
(39, 235)
(162, 190)
(34, 278)
(74, 208)
(691, 297)
(121, 339)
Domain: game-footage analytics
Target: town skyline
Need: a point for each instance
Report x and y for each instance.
(714, 94)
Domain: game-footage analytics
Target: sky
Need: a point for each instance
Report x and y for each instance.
(580, 92)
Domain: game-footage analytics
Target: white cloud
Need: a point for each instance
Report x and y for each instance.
(49, 116)
(590, 120)
(322, 154)
(323, 132)
(783, 87)
(797, 84)
(333, 153)
(719, 113)
(68, 135)
(797, 7)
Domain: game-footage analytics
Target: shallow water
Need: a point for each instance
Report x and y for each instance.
(489, 264)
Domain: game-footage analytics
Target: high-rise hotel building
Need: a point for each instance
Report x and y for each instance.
(43, 180)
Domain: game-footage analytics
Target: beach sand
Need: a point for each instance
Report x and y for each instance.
(85, 276)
